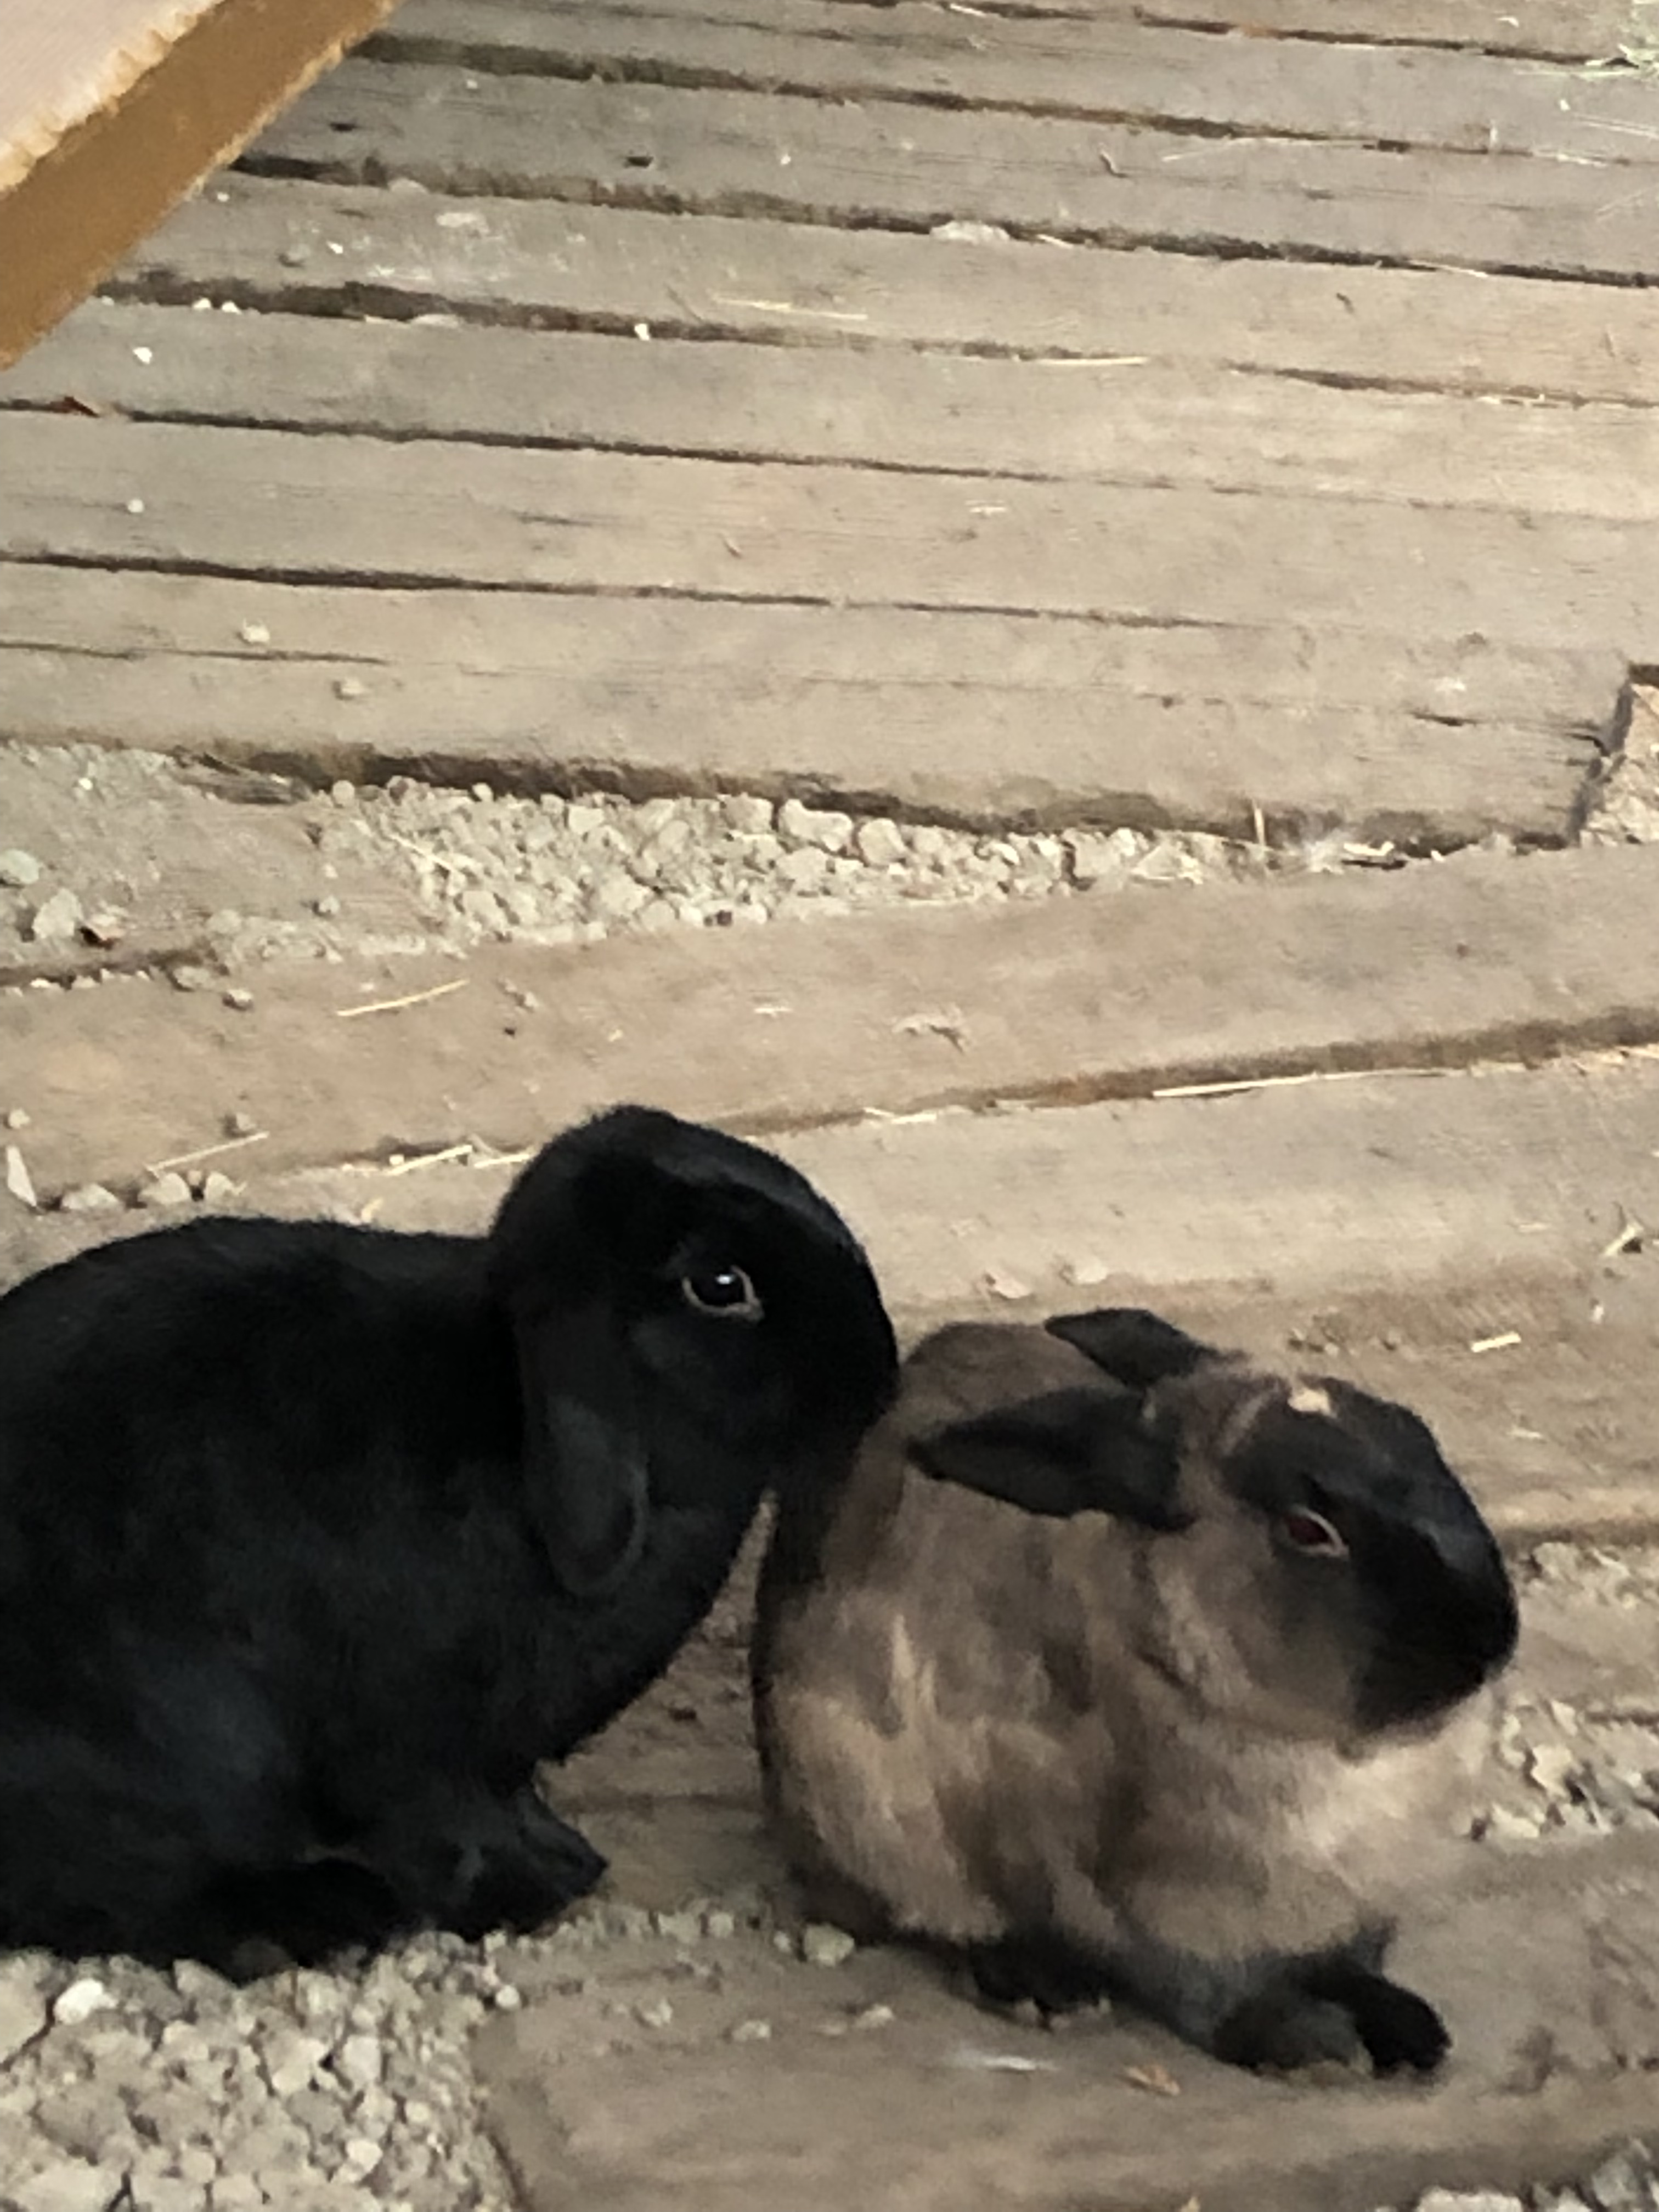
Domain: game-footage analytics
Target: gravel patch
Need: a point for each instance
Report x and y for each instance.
(1627, 2182)
(1569, 1768)
(342, 2091)
(1624, 807)
(116, 847)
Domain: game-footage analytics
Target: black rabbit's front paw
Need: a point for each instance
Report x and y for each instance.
(526, 1876)
(1040, 1970)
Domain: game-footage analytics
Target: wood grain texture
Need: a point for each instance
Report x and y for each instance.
(273, 243)
(1134, 420)
(727, 152)
(1103, 65)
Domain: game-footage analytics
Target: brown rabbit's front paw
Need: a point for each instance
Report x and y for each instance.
(1339, 2012)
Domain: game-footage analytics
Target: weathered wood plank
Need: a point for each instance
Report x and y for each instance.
(975, 717)
(735, 152)
(266, 243)
(271, 502)
(1103, 65)
(1103, 997)
(1562, 30)
(1137, 422)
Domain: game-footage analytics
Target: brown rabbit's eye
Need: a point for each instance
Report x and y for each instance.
(1312, 1533)
(725, 1293)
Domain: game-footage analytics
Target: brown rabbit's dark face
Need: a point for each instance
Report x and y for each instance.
(1387, 1594)
(1343, 1569)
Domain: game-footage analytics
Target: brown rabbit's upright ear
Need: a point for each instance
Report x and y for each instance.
(586, 1471)
(1132, 1346)
(1068, 1452)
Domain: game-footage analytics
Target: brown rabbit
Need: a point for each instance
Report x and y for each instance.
(1174, 1709)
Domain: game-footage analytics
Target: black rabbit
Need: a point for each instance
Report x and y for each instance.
(315, 1539)
(1185, 1729)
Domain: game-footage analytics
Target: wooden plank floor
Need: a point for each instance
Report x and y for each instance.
(1193, 427)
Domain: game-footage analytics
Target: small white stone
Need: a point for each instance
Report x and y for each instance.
(1097, 860)
(80, 2001)
(749, 815)
(165, 1190)
(583, 821)
(18, 1181)
(135, 507)
(658, 2013)
(361, 2061)
(69, 2184)
(619, 899)
(292, 2061)
(1479, 2200)
(800, 824)
(350, 687)
(362, 2155)
(56, 919)
(879, 843)
(253, 632)
(143, 355)
(1550, 1765)
(235, 2192)
(22, 2008)
(1508, 1827)
(752, 2031)
(18, 869)
(89, 1198)
(821, 1945)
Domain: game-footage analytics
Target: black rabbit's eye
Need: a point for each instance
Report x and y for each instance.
(725, 1293)
(1312, 1533)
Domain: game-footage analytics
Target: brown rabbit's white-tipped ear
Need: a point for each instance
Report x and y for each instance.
(1132, 1346)
(1068, 1452)
(587, 1470)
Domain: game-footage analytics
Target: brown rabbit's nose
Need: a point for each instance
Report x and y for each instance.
(1449, 1625)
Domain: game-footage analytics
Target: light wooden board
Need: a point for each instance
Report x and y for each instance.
(974, 718)
(272, 243)
(1137, 422)
(731, 152)
(1110, 996)
(1103, 66)
(111, 110)
(271, 503)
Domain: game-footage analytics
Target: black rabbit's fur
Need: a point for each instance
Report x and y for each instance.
(315, 1539)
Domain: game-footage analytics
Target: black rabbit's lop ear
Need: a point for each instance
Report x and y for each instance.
(1132, 1346)
(1068, 1452)
(587, 1470)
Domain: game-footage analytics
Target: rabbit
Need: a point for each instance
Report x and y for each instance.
(1119, 1667)
(315, 1539)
